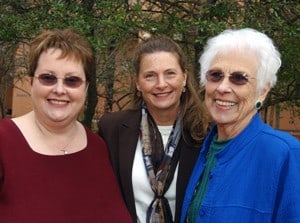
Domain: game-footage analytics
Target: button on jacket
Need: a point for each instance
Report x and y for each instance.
(256, 178)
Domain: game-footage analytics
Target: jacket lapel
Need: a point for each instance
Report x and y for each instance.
(128, 135)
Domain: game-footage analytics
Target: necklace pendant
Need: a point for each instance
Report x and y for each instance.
(65, 152)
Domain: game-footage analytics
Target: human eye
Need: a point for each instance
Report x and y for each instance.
(47, 79)
(149, 76)
(170, 73)
(73, 81)
(238, 78)
(214, 75)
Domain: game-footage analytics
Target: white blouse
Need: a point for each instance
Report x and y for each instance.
(143, 193)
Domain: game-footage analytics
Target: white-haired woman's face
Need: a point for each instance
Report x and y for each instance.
(231, 91)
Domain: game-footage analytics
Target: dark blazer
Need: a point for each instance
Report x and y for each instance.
(120, 130)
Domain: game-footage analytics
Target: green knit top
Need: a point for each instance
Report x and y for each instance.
(201, 188)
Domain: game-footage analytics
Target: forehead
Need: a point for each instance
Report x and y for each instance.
(159, 60)
(158, 55)
(54, 61)
(236, 60)
(57, 53)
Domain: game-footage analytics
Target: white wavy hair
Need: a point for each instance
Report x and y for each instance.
(246, 39)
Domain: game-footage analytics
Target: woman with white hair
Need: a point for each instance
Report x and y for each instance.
(246, 171)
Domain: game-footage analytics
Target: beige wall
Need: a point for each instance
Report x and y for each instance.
(21, 100)
(289, 122)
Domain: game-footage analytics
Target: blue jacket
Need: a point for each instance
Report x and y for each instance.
(256, 178)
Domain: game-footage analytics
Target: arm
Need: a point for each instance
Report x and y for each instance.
(287, 204)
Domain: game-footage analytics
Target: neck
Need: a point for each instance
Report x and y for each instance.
(60, 137)
(229, 131)
(49, 128)
(164, 118)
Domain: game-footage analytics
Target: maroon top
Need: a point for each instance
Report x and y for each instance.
(75, 188)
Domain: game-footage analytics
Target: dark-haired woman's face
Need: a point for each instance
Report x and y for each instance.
(161, 81)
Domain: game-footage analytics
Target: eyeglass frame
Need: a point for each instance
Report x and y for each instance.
(41, 81)
(231, 76)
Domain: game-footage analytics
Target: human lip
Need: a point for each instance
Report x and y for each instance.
(225, 103)
(58, 102)
(162, 94)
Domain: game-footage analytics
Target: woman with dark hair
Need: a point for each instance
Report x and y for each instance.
(153, 145)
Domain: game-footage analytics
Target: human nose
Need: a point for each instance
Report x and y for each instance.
(161, 82)
(59, 87)
(224, 85)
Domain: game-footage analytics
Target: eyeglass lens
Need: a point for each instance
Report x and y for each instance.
(237, 78)
(49, 80)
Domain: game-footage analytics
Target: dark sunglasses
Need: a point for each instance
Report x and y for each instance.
(237, 77)
(50, 80)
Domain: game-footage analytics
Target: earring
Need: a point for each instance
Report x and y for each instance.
(138, 93)
(258, 105)
(183, 89)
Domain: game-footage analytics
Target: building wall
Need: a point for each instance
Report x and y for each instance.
(289, 122)
(21, 100)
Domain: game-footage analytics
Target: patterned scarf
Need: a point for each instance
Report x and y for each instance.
(160, 165)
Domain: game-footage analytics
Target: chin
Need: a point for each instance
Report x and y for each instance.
(221, 119)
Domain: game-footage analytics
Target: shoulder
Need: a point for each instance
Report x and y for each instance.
(10, 134)
(110, 122)
(96, 142)
(110, 118)
(267, 137)
(277, 147)
(119, 114)
(4, 122)
(6, 125)
(279, 138)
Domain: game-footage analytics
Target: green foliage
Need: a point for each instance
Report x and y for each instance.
(109, 24)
